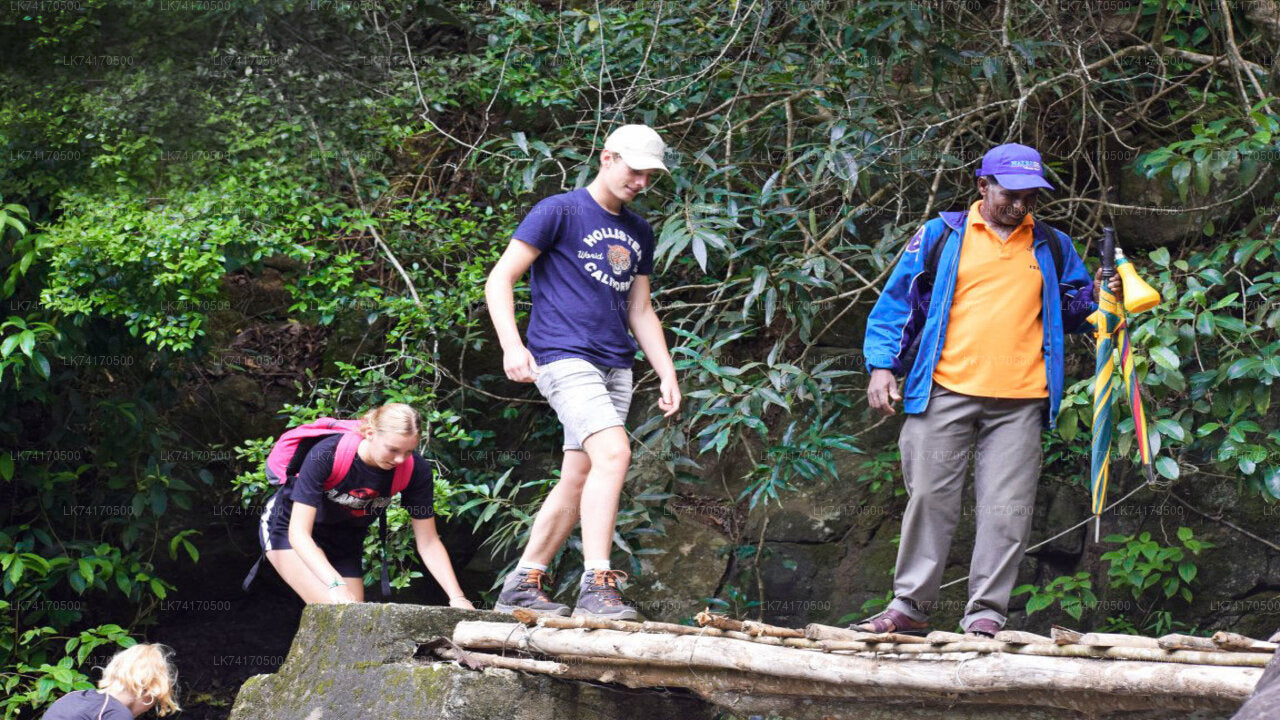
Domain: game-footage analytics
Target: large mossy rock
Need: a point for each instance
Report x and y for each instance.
(360, 660)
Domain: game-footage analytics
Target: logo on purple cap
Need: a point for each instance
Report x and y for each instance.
(1014, 166)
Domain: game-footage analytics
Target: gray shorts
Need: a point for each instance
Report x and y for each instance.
(587, 398)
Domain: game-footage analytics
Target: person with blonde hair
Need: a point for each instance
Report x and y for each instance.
(313, 529)
(136, 680)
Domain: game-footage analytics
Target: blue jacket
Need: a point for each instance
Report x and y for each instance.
(902, 312)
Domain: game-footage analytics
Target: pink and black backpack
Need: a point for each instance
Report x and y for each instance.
(285, 461)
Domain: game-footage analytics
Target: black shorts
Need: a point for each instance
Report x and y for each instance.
(342, 546)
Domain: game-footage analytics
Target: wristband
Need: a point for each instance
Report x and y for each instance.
(336, 582)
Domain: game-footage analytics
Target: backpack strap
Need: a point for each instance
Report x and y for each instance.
(935, 253)
(382, 552)
(404, 473)
(343, 456)
(1046, 231)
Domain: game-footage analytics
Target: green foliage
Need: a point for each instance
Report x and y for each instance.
(1073, 593)
(37, 679)
(260, 137)
(1142, 564)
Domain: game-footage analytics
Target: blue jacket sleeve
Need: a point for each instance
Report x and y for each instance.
(897, 315)
(1075, 289)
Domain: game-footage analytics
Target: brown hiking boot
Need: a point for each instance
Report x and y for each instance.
(600, 597)
(523, 589)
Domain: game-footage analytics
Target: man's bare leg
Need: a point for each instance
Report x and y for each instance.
(559, 512)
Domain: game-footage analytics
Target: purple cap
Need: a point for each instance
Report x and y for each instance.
(1015, 166)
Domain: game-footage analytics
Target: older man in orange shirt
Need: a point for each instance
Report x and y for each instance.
(974, 317)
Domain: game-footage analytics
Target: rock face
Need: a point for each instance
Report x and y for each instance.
(358, 661)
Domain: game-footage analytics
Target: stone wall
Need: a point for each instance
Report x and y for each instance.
(359, 661)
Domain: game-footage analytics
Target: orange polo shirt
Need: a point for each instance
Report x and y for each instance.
(995, 337)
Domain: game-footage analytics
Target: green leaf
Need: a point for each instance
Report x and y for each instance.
(1170, 428)
(42, 364)
(1167, 467)
(1068, 425)
(1038, 603)
(1165, 357)
(1271, 481)
(1187, 571)
(27, 341)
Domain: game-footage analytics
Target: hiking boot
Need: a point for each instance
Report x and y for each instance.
(600, 597)
(523, 589)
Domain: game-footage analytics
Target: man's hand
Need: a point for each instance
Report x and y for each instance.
(882, 391)
(1117, 287)
(519, 365)
(669, 403)
(461, 603)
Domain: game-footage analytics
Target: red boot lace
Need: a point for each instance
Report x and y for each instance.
(533, 581)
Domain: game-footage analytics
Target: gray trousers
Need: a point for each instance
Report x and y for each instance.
(1002, 436)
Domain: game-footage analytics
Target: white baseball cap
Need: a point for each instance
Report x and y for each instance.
(639, 146)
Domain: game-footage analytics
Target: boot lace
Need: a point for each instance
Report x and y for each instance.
(605, 584)
(532, 580)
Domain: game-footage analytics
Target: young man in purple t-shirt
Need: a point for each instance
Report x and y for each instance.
(590, 260)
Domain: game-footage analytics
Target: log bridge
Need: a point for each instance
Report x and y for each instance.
(753, 668)
(412, 662)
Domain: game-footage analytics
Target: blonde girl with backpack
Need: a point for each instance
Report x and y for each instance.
(337, 478)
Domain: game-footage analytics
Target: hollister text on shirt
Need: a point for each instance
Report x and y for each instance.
(582, 279)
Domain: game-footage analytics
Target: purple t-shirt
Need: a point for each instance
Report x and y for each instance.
(581, 279)
(88, 705)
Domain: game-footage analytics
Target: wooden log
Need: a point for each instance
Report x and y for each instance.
(1240, 643)
(737, 689)
(814, 631)
(1018, 637)
(1064, 636)
(1117, 640)
(731, 688)
(938, 637)
(967, 645)
(544, 667)
(993, 672)
(1174, 641)
(555, 621)
(1100, 652)
(657, 628)
(746, 626)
